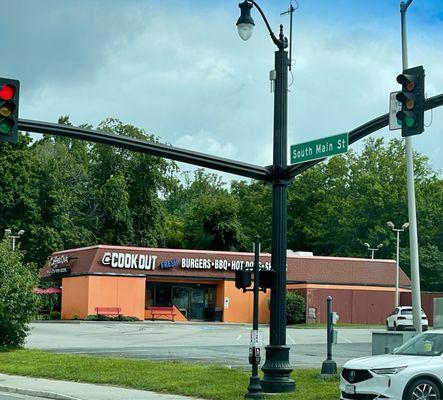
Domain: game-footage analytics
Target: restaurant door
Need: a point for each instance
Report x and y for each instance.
(193, 301)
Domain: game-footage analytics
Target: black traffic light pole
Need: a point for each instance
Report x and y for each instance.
(255, 390)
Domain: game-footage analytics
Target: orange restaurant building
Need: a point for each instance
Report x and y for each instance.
(200, 284)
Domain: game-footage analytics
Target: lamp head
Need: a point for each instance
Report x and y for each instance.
(8, 231)
(390, 224)
(367, 245)
(405, 225)
(379, 246)
(245, 23)
(21, 232)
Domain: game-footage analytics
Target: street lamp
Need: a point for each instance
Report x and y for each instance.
(276, 369)
(403, 227)
(9, 235)
(379, 246)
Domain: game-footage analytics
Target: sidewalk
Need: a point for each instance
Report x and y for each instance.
(65, 390)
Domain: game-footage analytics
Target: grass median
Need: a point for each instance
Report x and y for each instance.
(204, 381)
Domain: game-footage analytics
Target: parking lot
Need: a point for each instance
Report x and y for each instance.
(224, 344)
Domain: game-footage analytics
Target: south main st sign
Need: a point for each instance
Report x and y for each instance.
(320, 148)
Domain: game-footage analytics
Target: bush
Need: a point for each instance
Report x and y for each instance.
(128, 318)
(101, 317)
(55, 315)
(295, 308)
(18, 303)
(75, 317)
(98, 317)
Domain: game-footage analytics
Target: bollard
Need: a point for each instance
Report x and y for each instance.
(329, 366)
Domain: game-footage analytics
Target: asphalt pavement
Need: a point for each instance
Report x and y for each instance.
(223, 344)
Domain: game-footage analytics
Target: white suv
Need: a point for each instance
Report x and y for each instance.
(401, 318)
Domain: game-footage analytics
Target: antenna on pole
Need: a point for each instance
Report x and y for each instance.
(290, 11)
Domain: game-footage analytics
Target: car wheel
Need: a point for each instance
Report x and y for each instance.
(423, 389)
(387, 327)
(424, 328)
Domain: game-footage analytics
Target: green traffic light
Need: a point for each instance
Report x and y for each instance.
(5, 127)
(409, 122)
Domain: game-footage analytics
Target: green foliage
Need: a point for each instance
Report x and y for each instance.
(55, 315)
(68, 193)
(17, 301)
(75, 317)
(295, 308)
(102, 317)
(212, 223)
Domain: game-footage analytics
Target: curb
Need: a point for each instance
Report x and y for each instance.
(37, 393)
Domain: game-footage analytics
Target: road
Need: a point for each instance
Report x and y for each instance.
(224, 344)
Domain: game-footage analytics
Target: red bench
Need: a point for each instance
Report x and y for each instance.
(162, 312)
(109, 311)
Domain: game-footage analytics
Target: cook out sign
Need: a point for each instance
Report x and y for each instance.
(129, 261)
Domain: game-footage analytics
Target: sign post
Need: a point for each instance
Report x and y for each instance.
(320, 148)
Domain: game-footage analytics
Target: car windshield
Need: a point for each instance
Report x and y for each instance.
(426, 344)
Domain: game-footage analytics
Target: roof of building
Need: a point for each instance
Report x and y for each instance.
(217, 265)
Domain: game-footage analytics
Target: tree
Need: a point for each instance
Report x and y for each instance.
(212, 223)
(255, 212)
(17, 300)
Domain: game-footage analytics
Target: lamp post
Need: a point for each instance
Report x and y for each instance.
(276, 368)
(9, 235)
(379, 246)
(403, 227)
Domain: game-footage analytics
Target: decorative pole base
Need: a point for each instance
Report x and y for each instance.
(328, 368)
(277, 371)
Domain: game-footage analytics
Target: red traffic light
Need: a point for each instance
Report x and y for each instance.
(7, 92)
(407, 81)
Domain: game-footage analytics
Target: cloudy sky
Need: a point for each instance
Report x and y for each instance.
(178, 69)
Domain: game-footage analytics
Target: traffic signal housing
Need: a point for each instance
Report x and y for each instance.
(266, 279)
(412, 98)
(243, 279)
(9, 95)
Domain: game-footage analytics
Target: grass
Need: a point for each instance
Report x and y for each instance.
(204, 381)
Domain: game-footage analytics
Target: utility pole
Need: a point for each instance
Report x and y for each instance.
(413, 236)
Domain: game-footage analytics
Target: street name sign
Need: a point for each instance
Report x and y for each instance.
(394, 108)
(320, 148)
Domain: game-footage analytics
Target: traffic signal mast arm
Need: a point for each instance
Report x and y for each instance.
(201, 159)
(361, 132)
(144, 146)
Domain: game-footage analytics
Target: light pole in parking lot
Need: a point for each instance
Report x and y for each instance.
(403, 227)
(9, 235)
(379, 246)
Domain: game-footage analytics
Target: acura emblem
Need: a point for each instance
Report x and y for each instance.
(351, 376)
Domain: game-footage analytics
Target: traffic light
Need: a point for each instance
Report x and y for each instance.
(9, 94)
(266, 279)
(412, 98)
(243, 279)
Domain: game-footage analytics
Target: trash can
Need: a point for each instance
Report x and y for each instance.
(218, 314)
(209, 314)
